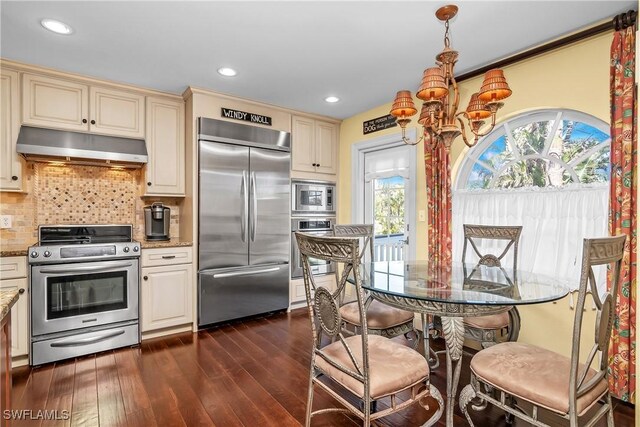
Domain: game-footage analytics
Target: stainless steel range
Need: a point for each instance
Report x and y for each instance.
(84, 291)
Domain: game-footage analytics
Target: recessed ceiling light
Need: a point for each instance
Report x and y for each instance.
(332, 99)
(227, 72)
(56, 26)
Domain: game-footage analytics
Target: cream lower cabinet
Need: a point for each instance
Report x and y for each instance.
(297, 294)
(69, 105)
(13, 274)
(165, 172)
(314, 148)
(10, 164)
(166, 288)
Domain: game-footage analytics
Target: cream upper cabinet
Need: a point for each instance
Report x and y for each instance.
(117, 113)
(303, 153)
(165, 172)
(326, 148)
(62, 104)
(314, 147)
(10, 164)
(51, 102)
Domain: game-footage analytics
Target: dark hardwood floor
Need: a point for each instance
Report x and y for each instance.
(247, 373)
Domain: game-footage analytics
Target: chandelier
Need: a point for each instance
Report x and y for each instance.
(439, 117)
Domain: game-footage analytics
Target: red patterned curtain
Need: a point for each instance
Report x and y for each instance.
(438, 171)
(622, 210)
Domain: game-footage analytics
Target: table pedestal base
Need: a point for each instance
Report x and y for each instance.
(453, 331)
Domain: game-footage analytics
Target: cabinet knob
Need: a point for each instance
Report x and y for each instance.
(318, 164)
(149, 183)
(145, 278)
(93, 122)
(84, 120)
(314, 165)
(14, 178)
(21, 291)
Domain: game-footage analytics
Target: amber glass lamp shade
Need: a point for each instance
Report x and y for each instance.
(403, 105)
(476, 109)
(433, 85)
(494, 87)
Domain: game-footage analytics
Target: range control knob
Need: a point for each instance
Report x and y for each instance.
(47, 254)
(126, 249)
(136, 249)
(34, 254)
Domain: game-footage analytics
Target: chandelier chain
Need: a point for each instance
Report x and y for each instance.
(447, 43)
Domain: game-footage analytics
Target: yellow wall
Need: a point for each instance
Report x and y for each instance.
(575, 77)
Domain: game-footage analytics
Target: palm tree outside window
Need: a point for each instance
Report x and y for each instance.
(547, 170)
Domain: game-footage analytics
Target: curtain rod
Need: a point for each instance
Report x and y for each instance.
(617, 23)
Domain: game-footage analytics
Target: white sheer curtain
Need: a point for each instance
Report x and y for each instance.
(554, 222)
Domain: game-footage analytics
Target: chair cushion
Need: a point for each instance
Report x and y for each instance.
(392, 366)
(379, 315)
(492, 321)
(535, 374)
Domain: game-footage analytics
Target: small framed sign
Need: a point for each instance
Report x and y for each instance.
(245, 117)
(379, 123)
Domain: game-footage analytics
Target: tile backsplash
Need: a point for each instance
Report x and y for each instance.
(84, 194)
(75, 194)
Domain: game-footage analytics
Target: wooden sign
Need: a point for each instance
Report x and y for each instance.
(379, 123)
(246, 117)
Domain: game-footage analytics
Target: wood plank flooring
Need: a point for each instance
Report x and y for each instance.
(247, 373)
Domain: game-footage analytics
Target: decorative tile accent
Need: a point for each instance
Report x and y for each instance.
(84, 194)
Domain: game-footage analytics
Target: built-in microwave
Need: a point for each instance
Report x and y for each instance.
(313, 197)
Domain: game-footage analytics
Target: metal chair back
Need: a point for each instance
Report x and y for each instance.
(495, 232)
(603, 251)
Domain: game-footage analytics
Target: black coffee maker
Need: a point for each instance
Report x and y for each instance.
(157, 218)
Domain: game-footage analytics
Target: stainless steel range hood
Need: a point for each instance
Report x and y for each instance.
(80, 148)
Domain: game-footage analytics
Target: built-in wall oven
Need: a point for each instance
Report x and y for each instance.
(321, 226)
(84, 292)
(313, 198)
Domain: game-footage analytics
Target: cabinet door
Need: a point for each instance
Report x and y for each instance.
(116, 113)
(302, 146)
(166, 296)
(54, 103)
(165, 144)
(19, 318)
(10, 165)
(326, 147)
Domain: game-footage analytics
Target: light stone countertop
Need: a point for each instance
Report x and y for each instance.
(8, 297)
(150, 244)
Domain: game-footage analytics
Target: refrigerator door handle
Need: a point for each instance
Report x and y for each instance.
(254, 209)
(244, 206)
(245, 272)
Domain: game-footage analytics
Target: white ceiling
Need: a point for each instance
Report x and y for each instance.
(291, 54)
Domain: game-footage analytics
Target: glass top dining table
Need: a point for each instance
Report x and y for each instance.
(464, 290)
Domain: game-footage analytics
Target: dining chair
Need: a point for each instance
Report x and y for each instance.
(488, 329)
(382, 319)
(566, 386)
(367, 367)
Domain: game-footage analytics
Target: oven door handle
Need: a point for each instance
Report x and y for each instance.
(87, 341)
(84, 268)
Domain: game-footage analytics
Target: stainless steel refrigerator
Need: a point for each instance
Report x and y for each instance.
(244, 230)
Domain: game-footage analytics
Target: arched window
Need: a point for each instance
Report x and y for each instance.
(547, 170)
(539, 149)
